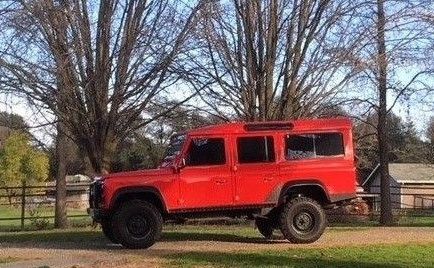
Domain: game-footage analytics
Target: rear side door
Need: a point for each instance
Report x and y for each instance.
(255, 169)
(206, 178)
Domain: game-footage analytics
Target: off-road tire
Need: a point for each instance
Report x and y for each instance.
(137, 224)
(107, 230)
(264, 227)
(302, 220)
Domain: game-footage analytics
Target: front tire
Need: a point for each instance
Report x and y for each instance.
(137, 224)
(302, 220)
(107, 230)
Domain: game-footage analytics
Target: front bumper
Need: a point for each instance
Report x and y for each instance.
(96, 214)
(96, 201)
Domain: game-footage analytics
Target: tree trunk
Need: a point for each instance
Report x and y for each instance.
(61, 219)
(386, 217)
(100, 155)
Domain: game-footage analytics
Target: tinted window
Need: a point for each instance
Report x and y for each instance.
(255, 149)
(204, 152)
(314, 145)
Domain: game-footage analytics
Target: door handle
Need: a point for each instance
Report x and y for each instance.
(220, 181)
(268, 179)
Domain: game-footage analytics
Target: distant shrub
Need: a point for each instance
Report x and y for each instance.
(37, 221)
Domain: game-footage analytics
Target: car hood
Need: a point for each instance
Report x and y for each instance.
(147, 173)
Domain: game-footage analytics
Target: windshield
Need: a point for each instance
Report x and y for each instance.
(173, 150)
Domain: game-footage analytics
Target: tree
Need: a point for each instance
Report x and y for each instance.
(12, 121)
(393, 35)
(430, 136)
(20, 162)
(137, 152)
(97, 67)
(265, 60)
(405, 144)
(430, 130)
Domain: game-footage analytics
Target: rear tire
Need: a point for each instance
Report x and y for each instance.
(107, 230)
(264, 227)
(302, 220)
(137, 224)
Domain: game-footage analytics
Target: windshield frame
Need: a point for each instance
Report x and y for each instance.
(176, 143)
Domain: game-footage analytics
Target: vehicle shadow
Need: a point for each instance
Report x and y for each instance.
(234, 238)
(95, 240)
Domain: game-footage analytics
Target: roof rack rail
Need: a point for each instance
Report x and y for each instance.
(268, 126)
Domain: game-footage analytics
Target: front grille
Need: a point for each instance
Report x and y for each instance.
(95, 194)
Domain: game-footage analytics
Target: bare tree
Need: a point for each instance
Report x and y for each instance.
(97, 66)
(393, 40)
(430, 136)
(273, 59)
(386, 217)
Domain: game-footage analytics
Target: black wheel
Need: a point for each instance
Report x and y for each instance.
(137, 224)
(107, 229)
(264, 227)
(302, 220)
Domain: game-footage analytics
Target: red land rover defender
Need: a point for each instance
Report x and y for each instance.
(282, 174)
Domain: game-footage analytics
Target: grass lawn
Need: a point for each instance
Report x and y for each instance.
(369, 256)
(383, 256)
(15, 212)
(7, 259)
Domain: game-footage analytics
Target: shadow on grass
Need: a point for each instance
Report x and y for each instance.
(68, 239)
(95, 240)
(218, 259)
(220, 237)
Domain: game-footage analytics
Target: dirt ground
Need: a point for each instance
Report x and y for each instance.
(100, 253)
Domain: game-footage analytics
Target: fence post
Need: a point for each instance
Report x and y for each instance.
(23, 204)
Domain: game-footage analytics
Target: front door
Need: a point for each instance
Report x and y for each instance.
(206, 179)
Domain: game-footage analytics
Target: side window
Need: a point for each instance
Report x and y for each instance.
(255, 149)
(314, 145)
(206, 152)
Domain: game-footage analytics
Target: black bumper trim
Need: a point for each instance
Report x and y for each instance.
(342, 197)
(97, 214)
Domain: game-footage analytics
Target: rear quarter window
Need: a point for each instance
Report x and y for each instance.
(308, 146)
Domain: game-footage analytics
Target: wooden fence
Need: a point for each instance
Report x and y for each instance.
(21, 199)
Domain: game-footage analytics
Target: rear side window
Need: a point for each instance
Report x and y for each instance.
(314, 145)
(255, 149)
(206, 152)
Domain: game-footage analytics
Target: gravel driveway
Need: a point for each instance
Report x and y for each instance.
(97, 252)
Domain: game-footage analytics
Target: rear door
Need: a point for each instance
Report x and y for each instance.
(255, 169)
(206, 178)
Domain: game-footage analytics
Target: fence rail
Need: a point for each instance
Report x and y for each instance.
(25, 202)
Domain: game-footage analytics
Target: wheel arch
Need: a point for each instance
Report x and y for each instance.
(146, 193)
(311, 188)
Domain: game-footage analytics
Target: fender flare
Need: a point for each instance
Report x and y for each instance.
(137, 190)
(300, 183)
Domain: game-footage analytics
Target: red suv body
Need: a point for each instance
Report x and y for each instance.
(253, 169)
